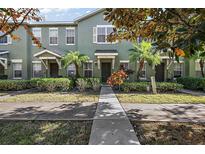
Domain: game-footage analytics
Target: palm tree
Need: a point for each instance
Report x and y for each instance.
(144, 52)
(74, 57)
(201, 56)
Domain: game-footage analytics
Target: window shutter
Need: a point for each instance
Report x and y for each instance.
(94, 34)
(9, 39)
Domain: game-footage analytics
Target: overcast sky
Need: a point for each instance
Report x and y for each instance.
(63, 14)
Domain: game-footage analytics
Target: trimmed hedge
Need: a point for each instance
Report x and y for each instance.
(192, 83)
(7, 85)
(88, 83)
(142, 86)
(52, 84)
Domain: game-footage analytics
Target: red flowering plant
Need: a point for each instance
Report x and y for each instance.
(117, 78)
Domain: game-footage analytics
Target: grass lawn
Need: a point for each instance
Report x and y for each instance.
(169, 133)
(53, 97)
(2, 93)
(176, 98)
(45, 132)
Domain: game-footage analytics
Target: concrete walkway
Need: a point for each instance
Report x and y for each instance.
(166, 112)
(47, 111)
(192, 92)
(111, 125)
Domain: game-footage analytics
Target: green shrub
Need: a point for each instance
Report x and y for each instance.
(7, 85)
(95, 83)
(135, 86)
(192, 83)
(82, 84)
(52, 84)
(168, 86)
(88, 83)
(142, 86)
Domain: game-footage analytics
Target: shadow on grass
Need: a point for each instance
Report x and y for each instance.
(55, 111)
(45, 132)
(169, 133)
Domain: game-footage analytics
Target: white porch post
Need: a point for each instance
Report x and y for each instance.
(98, 63)
(113, 63)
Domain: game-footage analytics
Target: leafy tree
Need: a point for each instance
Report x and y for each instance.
(11, 19)
(200, 55)
(144, 52)
(74, 57)
(171, 28)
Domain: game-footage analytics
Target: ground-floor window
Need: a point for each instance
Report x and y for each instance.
(178, 70)
(88, 69)
(124, 65)
(17, 70)
(37, 70)
(71, 70)
(197, 66)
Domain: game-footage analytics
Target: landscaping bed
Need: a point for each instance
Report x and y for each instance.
(73, 97)
(45, 132)
(165, 98)
(169, 133)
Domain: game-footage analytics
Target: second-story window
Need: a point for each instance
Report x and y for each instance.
(53, 36)
(101, 33)
(5, 40)
(70, 36)
(37, 33)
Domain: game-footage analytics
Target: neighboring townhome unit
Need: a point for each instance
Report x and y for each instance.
(22, 59)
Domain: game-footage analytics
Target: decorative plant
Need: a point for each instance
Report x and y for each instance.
(74, 57)
(117, 78)
(144, 52)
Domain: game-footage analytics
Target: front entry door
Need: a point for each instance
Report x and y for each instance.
(1, 69)
(105, 71)
(159, 75)
(53, 70)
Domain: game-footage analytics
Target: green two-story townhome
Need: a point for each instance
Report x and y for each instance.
(22, 59)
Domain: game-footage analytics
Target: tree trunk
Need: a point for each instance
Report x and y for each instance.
(201, 62)
(141, 64)
(77, 71)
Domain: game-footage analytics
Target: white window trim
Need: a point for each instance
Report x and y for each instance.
(35, 62)
(125, 61)
(183, 69)
(40, 36)
(73, 28)
(20, 62)
(197, 61)
(90, 61)
(16, 60)
(57, 37)
(101, 26)
(8, 41)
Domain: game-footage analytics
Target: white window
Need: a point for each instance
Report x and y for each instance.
(37, 33)
(88, 69)
(178, 69)
(53, 36)
(70, 36)
(71, 70)
(124, 65)
(101, 33)
(37, 69)
(5, 40)
(17, 70)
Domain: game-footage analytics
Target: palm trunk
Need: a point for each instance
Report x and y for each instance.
(201, 62)
(141, 64)
(77, 71)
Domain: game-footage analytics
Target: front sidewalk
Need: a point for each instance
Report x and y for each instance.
(111, 125)
(166, 112)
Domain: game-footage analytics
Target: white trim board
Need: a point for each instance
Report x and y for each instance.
(47, 51)
(16, 60)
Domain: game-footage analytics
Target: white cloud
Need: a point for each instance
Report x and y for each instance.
(49, 10)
